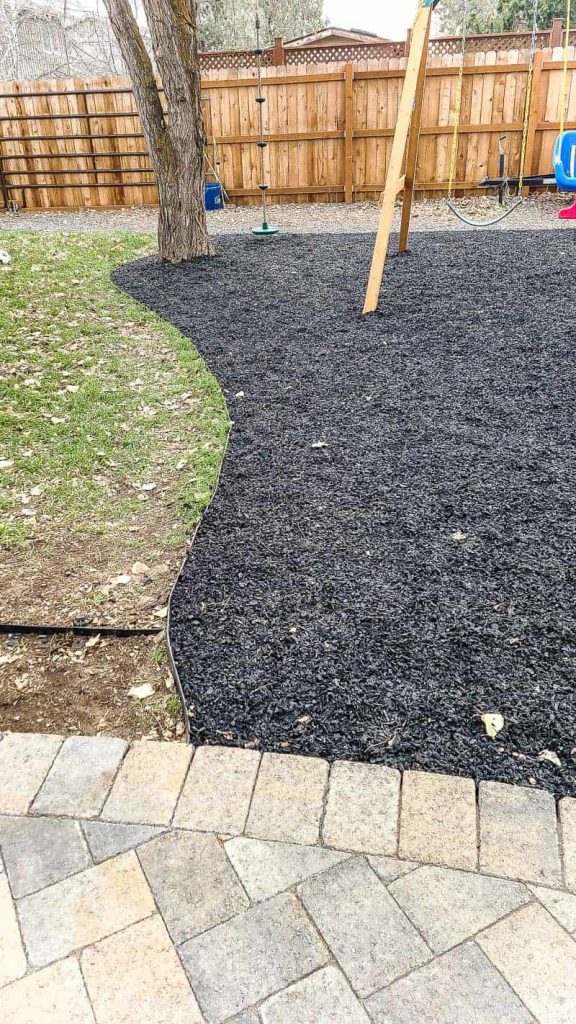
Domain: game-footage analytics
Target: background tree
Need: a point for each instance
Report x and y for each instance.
(482, 16)
(229, 24)
(515, 13)
(497, 15)
(175, 139)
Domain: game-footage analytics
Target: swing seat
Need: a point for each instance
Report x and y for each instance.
(565, 169)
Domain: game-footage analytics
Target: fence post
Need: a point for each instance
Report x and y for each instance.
(278, 55)
(4, 184)
(407, 43)
(556, 32)
(534, 115)
(348, 133)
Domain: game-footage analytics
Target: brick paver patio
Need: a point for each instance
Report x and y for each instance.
(152, 883)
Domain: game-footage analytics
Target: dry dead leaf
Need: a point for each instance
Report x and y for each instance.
(160, 612)
(141, 692)
(6, 463)
(120, 581)
(493, 723)
(140, 568)
(551, 756)
(92, 641)
(319, 444)
(458, 535)
(9, 659)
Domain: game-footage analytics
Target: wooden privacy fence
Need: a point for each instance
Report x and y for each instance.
(79, 144)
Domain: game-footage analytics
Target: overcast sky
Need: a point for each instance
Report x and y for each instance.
(388, 18)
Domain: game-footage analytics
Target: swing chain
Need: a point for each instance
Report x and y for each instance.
(458, 114)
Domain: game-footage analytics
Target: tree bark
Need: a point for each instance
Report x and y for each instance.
(175, 136)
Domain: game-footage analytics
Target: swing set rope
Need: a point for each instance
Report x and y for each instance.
(490, 221)
(564, 106)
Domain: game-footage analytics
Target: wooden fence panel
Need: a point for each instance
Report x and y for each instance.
(80, 144)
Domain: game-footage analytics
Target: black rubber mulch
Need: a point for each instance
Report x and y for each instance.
(325, 607)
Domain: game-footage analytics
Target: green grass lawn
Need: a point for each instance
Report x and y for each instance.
(107, 414)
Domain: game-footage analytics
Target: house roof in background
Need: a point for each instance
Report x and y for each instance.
(352, 35)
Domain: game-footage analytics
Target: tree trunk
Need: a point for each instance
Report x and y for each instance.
(182, 232)
(176, 137)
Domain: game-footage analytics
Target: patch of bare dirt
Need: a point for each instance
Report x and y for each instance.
(80, 686)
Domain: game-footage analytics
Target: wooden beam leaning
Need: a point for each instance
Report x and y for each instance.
(420, 33)
(413, 144)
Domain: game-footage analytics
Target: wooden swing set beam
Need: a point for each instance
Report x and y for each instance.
(403, 158)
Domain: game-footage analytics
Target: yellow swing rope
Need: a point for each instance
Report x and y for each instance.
(526, 124)
(564, 106)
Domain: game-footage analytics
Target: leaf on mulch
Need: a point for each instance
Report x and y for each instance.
(459, 536)
(141, 692)
(319, 444)
(551, 756)
(493, 723)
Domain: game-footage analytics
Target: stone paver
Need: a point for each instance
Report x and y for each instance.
(217, 793)
(40, 851)
(80, 778)
(252, 956)
(370, 937)
(267, 868)
(135, 977)
(326, 909)
(323, 998)
(148, 784)
(55, 995)
(389, 868)
(84, 909)
(12, 956)
(193, 883)
(568, 827)
(518, 833)
(538, 958)
(448, 906)
(106, 839)
(288, 799)
(460, 987)
(25, 759)
(438, 821)
(562, 905)
(362, 808)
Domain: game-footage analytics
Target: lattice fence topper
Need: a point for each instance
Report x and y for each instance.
(345, 52)
(220, 59)
(484, 44)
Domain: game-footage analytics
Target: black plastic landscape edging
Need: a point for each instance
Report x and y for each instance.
(25, 629)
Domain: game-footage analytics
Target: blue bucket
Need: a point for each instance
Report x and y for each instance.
(212, 195)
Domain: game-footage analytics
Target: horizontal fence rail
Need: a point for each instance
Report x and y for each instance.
(79, 143)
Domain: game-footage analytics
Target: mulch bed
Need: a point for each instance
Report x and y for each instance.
(391, 551)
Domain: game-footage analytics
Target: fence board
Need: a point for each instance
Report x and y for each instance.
(79, 143)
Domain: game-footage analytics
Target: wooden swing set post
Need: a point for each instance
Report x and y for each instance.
(407, 131)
